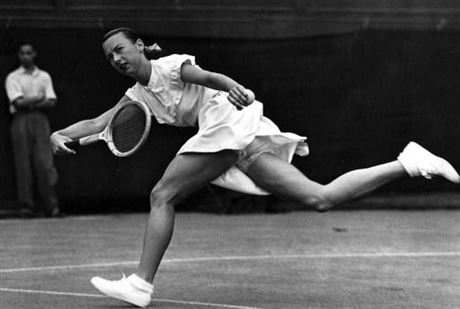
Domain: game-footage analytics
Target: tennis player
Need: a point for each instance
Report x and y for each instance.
(235, 147)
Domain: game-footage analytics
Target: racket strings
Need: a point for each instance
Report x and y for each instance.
(128, 128)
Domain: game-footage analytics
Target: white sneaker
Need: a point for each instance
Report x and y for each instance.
(418, 161)
(133, 290)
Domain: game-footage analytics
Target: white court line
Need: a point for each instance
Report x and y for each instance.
(249, 258)
(49, 292)
(159, 300)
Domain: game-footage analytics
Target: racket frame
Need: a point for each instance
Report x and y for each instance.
(107, 136)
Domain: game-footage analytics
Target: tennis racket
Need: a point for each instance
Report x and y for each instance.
(126, 131)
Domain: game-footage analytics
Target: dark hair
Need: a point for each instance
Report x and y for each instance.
(151, 52)
(26, 43)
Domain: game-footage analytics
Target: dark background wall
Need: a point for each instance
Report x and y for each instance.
(360, 80)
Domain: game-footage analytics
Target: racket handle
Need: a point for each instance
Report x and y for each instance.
(73, 144)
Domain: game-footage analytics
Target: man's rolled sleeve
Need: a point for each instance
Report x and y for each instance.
(13, 89)
(49, 90)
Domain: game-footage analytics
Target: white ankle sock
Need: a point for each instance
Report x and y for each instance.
(140, 283)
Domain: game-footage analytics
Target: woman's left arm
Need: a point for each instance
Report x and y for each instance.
(237, 94)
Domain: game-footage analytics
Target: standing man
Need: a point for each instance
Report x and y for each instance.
(30, 93)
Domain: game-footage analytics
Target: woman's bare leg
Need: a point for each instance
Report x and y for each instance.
(184, 175)
(284, 179)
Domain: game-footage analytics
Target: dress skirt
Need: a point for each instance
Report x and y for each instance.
(222, 126)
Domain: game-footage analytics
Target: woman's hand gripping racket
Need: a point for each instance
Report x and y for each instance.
(126, 131)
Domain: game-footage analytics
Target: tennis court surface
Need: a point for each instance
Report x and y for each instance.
(341, 259)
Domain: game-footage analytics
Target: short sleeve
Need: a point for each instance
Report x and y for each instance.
(48, 84)
(131, 93)
(13, 88)
(174, 65)
(171, 69)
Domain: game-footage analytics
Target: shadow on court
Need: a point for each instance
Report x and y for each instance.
(341, 259)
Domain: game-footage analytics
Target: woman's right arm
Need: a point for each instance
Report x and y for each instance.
(81, 129)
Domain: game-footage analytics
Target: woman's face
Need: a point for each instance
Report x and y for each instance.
(124, 55)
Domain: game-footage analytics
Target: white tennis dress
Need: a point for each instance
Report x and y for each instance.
(220, 125)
